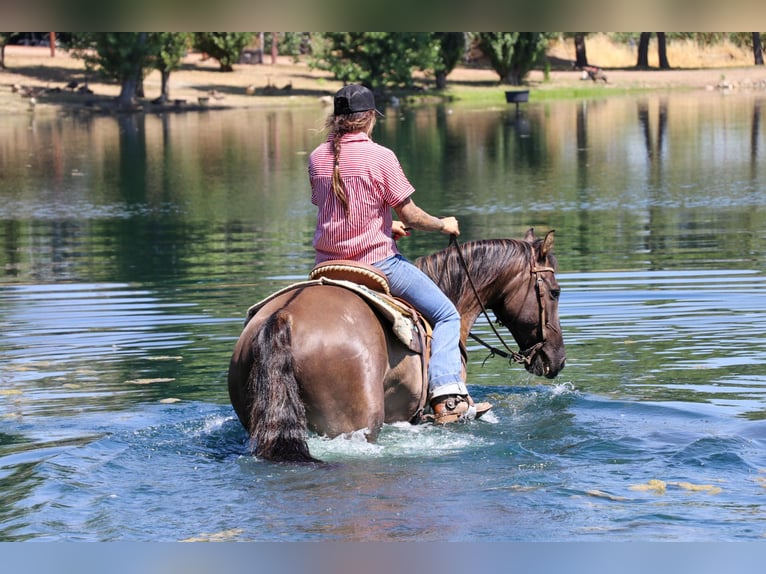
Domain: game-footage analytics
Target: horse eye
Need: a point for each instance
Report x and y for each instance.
(555, 293)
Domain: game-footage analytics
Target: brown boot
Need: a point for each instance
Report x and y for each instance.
(451, 408)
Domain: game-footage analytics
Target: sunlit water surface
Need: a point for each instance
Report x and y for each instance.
(132, 249)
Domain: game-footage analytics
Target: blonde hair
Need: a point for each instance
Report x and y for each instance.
(339, 126)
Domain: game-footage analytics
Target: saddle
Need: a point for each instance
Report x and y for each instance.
(410, 327)
(354, 271)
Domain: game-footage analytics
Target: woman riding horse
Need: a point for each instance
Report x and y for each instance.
(318, 356)
(355, 183)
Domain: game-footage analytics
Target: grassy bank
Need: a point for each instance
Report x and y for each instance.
(199, 83)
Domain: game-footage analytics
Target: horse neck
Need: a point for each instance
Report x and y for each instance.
(494, 267)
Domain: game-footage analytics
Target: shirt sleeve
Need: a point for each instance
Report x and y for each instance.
(395, 185)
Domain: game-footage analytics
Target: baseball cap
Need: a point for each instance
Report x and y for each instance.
(354, 98)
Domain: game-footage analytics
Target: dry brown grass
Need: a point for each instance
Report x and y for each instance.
(682, 54)
(283, 83)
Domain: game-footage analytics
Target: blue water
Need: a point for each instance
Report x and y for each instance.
(119, 311)
(119, 449)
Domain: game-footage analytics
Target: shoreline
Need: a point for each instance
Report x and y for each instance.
(31, 72)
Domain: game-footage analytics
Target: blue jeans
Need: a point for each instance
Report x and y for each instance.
(415, 287)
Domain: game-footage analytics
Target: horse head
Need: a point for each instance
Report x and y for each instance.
(529, 309)
(517, 281)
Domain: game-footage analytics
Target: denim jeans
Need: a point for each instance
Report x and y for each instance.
(415, 287)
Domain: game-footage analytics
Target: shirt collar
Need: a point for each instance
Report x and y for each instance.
(353, 137)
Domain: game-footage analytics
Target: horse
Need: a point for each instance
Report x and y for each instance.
(320, 358)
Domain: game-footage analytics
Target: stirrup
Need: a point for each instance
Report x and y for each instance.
(452, 408)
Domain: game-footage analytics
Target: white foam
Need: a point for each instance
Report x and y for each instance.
(560, 389)
(397, 440)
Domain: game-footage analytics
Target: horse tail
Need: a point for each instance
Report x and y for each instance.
(277, 415)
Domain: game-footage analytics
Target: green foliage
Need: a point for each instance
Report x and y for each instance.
(375, 59)
(171, 47)
(126, 56)
(226, 47)
(512, 54)
(451, 47)
(289, 43)
(117, 55)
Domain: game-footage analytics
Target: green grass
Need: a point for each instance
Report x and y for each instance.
(495, 95)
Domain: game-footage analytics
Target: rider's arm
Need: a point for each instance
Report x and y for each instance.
(412, 216)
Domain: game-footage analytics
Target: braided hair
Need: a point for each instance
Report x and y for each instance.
(339, 126)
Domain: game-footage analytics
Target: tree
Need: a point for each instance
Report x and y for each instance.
(581, 57)
(449, 49)
(122, 56)
(662, 51)
(375, 59)
(5, 37)
(171, 47)
(226, 47)
(126, 57)
(512, 54)
(643, 50)
(757, 49)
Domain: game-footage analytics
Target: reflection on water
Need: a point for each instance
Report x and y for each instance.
(130, 249)
(671, 336)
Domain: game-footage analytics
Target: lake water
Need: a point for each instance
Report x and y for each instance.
(131, 247)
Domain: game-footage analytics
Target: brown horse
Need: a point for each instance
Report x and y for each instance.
(318, 357)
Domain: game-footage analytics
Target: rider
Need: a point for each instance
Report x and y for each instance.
(354, 184)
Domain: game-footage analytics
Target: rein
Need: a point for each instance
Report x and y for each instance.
(525, 356)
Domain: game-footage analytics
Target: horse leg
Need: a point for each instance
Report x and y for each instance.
(405, 389)
(314, 359)
(341, 365)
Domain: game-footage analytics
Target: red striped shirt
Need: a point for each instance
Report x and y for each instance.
(375, 183)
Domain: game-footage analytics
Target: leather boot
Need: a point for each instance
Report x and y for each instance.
(452, 408)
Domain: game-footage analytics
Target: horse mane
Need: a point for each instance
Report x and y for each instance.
(487, 259)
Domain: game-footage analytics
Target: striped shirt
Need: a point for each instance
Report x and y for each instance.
(374, 183)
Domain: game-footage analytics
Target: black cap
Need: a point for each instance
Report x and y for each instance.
(354, 98)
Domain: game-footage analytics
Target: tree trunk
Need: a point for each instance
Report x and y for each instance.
(581, 58)
(2, 57)
(441, 80)
(127, 98)
(261, 47)
(165, 89)
(662, 51)
(130, 85)
(512, 78)
(52, 43)
(643, 50)
(757, 49)
(274, 50)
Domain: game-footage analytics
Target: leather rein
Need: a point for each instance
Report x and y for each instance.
(525, 356)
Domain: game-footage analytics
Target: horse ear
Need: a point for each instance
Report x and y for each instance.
(547, 245)
(529, 237)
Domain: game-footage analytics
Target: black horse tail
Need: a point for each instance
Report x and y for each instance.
(277, 415)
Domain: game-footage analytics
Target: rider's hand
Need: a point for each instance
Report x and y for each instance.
(398, 230)
(451, 226)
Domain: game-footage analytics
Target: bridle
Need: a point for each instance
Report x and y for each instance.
(525, 356)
